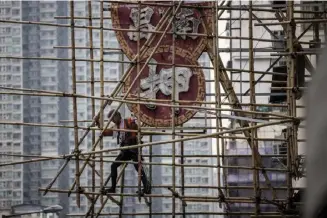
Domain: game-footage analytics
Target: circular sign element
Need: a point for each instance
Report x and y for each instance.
(156, 82)
(187, 24)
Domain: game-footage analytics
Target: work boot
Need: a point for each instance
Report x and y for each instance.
(145, 191)
(110, 190)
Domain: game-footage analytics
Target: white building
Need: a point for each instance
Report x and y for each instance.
(262, 61)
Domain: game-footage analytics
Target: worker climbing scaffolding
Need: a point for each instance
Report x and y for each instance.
(125, 139)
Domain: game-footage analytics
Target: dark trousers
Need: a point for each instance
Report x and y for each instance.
(127, 155)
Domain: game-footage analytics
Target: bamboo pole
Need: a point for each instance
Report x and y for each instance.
(268, 214)
(216, 66)
(76, 149)
(208, 187)
(146, 101)
(173, 114)
(102, 103)
(254, 146)
(150, 179)
(232, 199)
(91, 47)
(290, 97)
(139, 106)
(191, 138)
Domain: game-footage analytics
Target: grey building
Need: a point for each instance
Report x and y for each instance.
(20, 183)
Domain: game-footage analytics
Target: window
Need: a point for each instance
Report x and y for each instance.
(280, 36)
(15, 11)
(280, 149)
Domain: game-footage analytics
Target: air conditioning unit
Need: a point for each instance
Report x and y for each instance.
(278, 5)
(281, 36)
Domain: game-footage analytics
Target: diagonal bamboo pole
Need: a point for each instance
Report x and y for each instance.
(233, 99)
(228, 88)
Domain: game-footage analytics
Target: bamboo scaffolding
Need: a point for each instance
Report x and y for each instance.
(239, 109)
(126, 94)
(233, 98)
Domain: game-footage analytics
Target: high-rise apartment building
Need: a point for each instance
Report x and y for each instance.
(20, 183)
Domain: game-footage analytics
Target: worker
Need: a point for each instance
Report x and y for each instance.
(124, 139)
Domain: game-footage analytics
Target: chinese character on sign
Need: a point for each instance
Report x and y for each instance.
(145, 25)
(186, 23)
(164, 82)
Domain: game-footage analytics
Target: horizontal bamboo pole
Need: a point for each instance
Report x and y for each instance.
(191, 138)
(146, 101)
(154, 155)
(148, 163)
(131, 30)
(207, 81)
(186, 213)
(294, 21)
(205, 186)
(131, 62)
(228, 199)
(86, 128)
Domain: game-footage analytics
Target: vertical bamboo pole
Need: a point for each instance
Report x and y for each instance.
(150, 176)
(290, 96)
(139, 106)
(121, 205)
(72, 35)
(325, 23)
(101, 93)
(173, 114)
(92, 93)
(252, 108)
(216, 67)
(316, 27)
(240, 26)
(183, 175)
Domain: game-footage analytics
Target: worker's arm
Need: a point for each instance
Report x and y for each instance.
(106, 132)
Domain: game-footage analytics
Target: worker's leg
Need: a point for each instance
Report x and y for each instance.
(114, 167)
(146, 183)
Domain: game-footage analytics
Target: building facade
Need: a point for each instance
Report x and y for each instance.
(239, 59)
(20, 183)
